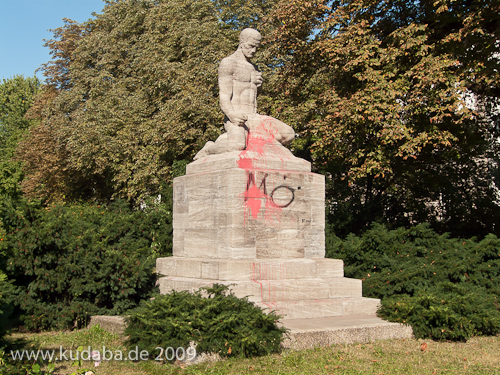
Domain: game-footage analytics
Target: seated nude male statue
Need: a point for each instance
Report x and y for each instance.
(239, 84)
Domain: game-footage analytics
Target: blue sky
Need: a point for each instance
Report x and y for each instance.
(25, 23)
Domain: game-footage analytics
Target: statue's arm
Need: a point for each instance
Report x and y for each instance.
(258, 80)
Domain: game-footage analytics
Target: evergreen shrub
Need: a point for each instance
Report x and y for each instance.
(446, 288)
(447, 312)
(213, 318)
(72, 261)
(7, 290)
(7, 293)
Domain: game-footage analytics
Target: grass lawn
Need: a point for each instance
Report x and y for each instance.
(479, 355)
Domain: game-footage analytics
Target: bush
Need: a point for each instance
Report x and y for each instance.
(7, 293)
(214, 318)
(7, 290)
(75, 261)
(430, 281)
(447, 312)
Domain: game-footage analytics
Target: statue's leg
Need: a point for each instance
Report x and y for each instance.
(233, 140)
(285, 133)
(236, 136)
(282, 132)
(205, 150)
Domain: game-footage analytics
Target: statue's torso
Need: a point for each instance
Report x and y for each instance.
(244, 97)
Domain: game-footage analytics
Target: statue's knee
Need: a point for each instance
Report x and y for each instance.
(286, 136)
(238, 138)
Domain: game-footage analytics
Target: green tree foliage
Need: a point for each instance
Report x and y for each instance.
(467, 30)
(16, 97)
(446, 288)
(74, 261)
(136, 89)
(379, 99)
(7, 293)
(239, 14)
(213, 318)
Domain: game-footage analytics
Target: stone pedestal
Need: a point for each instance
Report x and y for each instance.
(255, 219)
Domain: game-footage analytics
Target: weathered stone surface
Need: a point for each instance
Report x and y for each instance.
(200, 242)
(276, 291)
(113, 324)
(311, 333)
(233, 159)
(307, 309)
(329, 267)
(360, 306)
(250, 269)
(318, 308)
(314, 243)
(239, 213)
(178, 248)
(345, 287)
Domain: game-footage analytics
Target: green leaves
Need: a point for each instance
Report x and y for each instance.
(139, 92)
(212, 318)
(446, 312)
(80, 260)
(16, 97)
(445, 288)
(382, 100)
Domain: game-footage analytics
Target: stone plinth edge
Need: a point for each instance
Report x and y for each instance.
(249, 160)
(113, 324)
(310, 333)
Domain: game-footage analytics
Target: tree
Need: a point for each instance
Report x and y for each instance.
(380, 102)
(16, 97)
(239, 14)
(137, 90)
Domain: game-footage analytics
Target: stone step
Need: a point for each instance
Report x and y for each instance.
(323, 308)
(114, 324)
(294, 299)
(317, 332)
(271, 291)
(306, 333)
(255, 269)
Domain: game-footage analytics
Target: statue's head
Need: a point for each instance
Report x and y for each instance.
(249, 42)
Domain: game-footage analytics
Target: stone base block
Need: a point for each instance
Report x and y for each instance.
(255, 220)
(256, 269)
(294, 299)
(265, 291)
(113, 324)
(242, 213)
(311, 333)
(296, 288)
(323, 308)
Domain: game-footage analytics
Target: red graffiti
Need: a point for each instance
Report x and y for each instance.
(245, 163)
(259, 141)
(253, 197)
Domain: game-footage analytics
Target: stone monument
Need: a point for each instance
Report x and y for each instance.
(250, 214)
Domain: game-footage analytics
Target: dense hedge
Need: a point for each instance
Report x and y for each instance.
(213, 318)
(6, 294)
(7, 290)
(71, 261)
(446, 288)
